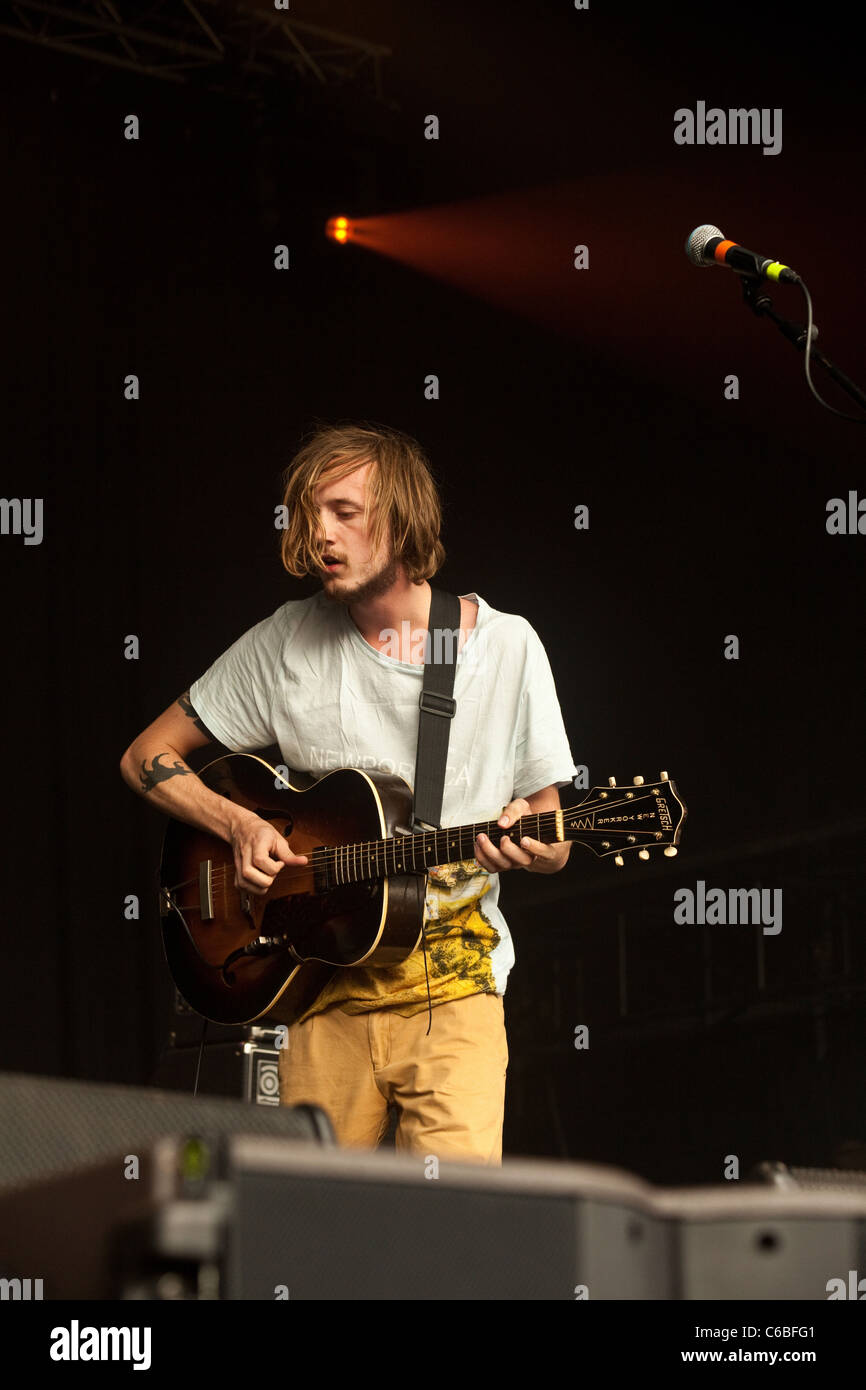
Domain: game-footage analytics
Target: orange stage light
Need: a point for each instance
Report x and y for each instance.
(338, 229)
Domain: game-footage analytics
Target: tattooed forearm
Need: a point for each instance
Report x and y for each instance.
(190, 712)
(156, 774)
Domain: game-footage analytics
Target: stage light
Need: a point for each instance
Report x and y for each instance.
(339, 229)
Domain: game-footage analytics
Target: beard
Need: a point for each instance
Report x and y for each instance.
(373, 587)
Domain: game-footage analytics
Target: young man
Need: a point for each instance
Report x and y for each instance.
(334, 681)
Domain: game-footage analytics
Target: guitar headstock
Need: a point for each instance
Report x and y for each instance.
(615, 819)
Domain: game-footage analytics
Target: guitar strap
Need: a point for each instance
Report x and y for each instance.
(437, 707)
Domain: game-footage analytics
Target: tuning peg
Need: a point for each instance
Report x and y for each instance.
(643, 854)
(611, 781)
(618, 860)
(663, 777)
(638, 781)
(671, 851)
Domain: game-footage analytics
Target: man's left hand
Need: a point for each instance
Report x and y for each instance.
(527, 854)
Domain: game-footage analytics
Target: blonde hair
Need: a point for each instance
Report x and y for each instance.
(401, 495)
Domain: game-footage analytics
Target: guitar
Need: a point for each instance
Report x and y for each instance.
(237, 956)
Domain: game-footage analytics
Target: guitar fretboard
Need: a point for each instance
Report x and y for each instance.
(609, 822)
(406, 854)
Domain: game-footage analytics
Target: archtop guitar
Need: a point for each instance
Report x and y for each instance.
(238, 956)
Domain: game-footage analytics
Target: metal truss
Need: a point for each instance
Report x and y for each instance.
(233, 45)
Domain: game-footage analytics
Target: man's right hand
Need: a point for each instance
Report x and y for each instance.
(260, 852)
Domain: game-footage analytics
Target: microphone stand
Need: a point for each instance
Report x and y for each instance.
(760, 303)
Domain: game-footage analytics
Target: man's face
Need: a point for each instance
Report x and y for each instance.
(358, 573)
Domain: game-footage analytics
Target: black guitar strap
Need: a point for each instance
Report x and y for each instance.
(437, 706)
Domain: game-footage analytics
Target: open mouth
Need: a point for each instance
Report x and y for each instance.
(331, 565)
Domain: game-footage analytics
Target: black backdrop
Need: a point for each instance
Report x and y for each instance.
(558, 387)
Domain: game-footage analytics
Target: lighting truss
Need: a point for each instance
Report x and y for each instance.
(229, 44)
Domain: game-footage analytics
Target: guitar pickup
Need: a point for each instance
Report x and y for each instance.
(205, 889)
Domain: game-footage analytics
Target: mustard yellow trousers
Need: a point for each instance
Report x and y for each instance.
(448, 1087)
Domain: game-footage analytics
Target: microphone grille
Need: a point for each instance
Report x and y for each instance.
(698, 240)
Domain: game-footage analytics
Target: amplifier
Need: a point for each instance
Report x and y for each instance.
(49, 1125)
(267, 1218)
(244, 1068)
(791, 1177)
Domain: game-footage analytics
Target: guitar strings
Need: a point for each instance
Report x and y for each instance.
(326, 856)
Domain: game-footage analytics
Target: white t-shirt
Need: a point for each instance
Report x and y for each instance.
(306, 680)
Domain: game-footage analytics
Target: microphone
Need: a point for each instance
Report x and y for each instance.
(707, 246)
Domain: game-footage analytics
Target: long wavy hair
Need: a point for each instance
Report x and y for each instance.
(401, 496)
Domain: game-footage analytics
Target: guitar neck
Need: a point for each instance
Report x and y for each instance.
(608, 822)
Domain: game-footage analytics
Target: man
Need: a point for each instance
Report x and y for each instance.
(334, 681)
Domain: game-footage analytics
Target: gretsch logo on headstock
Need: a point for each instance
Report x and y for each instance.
(664, 814)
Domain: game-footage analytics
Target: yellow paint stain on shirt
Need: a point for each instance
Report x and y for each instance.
(459, 939)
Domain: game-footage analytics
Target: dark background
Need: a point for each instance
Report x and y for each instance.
(558, 387)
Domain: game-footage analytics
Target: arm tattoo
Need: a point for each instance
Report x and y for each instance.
(159, 774)
(190, 712)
